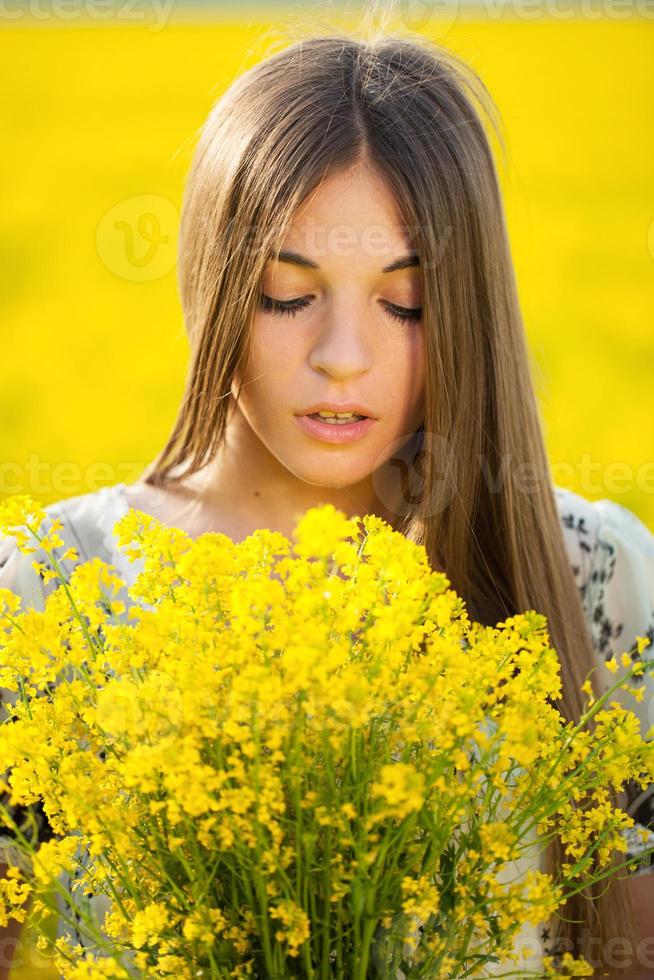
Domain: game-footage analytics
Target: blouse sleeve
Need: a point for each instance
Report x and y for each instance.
(618, 597)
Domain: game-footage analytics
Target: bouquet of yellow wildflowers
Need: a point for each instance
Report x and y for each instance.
(294, 759)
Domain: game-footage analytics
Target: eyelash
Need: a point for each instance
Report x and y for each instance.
(293, 306)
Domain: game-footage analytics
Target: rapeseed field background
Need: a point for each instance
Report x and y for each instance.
(99, 123)
(99, 120)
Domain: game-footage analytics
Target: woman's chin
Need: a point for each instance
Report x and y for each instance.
(334, 473)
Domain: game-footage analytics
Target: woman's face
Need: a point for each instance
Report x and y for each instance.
(355, 337)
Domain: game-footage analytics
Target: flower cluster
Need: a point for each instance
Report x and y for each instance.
(295, 758)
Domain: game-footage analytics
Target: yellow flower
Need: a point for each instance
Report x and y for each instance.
(497, 841)
(252, 730)
(149, 924)
(20, 510)
(402, 787)
(296, 929)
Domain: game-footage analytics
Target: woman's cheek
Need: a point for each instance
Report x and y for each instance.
(405, 375)
(272, 343)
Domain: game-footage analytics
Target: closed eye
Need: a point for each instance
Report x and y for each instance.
(403, 313)
(288, 306)
(292, 306)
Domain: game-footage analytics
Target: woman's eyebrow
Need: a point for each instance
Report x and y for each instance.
(294, 258)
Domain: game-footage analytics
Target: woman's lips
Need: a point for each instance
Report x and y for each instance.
(335, 433)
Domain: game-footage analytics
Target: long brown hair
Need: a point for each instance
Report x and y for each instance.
(411, 108)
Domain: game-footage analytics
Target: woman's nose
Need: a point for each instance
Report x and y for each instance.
(343, 346)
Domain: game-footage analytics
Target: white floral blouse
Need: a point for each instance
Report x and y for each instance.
(611, 553)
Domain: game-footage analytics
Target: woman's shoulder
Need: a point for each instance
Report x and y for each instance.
(612, 553)
(87, 521)
(612, 556)
(580, 520)
(90, 517)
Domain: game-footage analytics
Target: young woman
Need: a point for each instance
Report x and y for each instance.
(343, 249)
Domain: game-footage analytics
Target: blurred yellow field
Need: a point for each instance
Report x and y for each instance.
(100, 118)
(99, 123)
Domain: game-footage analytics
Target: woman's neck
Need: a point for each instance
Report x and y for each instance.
(245, 487)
